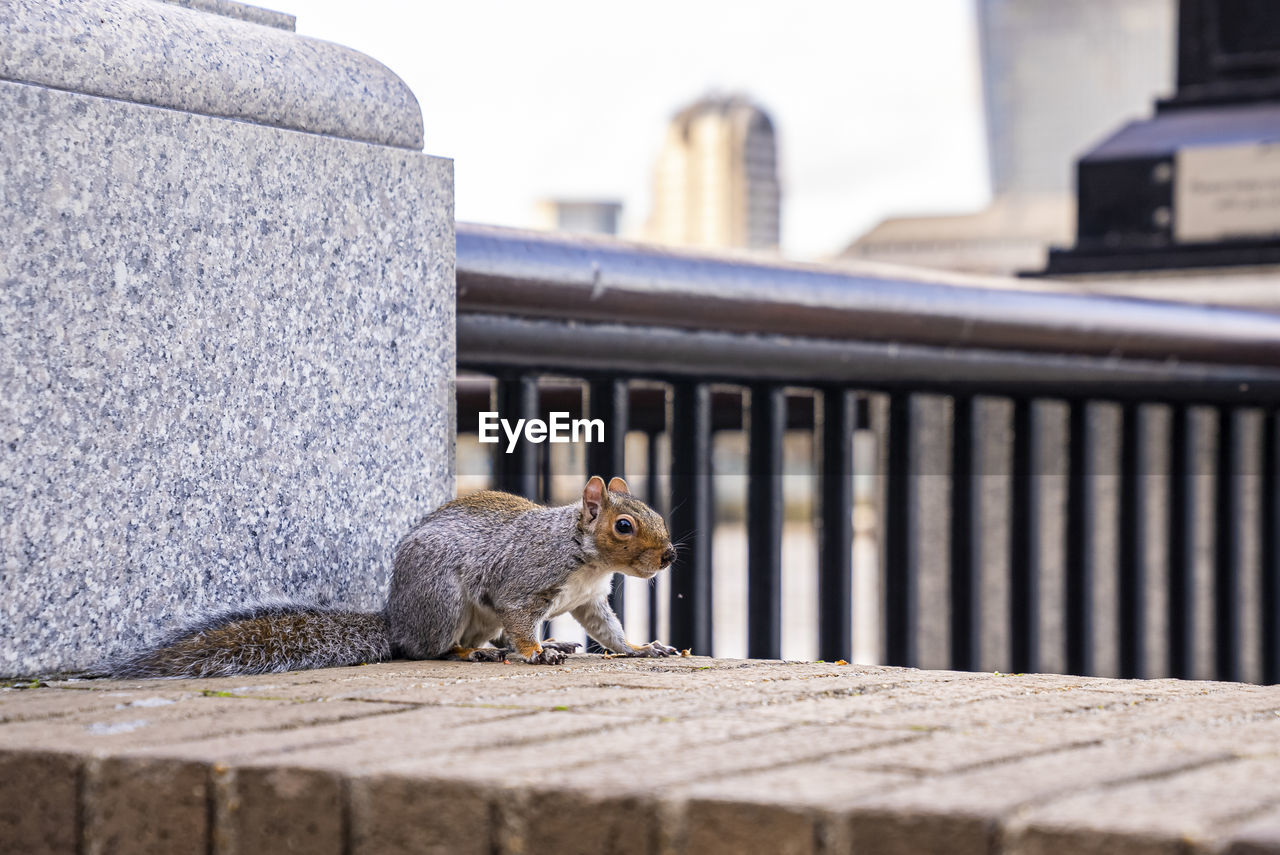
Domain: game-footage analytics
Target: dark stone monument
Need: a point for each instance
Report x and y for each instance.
(1197, 185)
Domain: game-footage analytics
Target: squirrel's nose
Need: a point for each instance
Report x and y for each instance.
(668, 555)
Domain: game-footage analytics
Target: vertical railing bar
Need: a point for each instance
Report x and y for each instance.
(495, 457)
(899, 559)
(517, 471)
(1182, 521)
(1226, 577)
(1269, 519)
(1131, 541)
(653, 497)
(764, 522)
(966, 562)
(608, 400)
(1078, 527)
(543, 454)
(691, 517)
(835, 557)
(1024, 543)
(544, 469)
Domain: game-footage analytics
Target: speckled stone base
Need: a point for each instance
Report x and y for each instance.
(226, 357)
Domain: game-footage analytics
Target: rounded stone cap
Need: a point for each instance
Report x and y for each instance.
(185, 59)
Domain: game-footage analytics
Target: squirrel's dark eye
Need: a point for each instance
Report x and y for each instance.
(624, 526)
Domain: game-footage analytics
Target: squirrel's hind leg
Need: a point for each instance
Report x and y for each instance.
(426, 614)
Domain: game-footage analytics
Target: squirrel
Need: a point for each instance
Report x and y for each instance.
(488, 567)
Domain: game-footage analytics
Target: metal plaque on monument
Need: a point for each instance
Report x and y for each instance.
(1197, 185)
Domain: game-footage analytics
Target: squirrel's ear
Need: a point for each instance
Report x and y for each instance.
(617, 485)
(593, 497)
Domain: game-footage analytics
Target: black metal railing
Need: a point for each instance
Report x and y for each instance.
(812, 346)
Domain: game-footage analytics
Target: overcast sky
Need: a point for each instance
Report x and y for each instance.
(877, 105)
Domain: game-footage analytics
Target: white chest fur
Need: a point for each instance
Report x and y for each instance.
(584, 585)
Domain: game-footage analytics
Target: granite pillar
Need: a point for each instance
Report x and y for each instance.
(226, 322)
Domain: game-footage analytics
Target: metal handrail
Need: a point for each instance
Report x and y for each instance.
(538, 274)
(645, 309)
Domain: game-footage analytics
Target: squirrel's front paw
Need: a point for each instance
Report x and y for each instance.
(654, 649)
(562, 646)
(548, 655)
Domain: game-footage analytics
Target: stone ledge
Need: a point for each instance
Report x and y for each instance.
(647, 757)
(242, 11)
(165, 55)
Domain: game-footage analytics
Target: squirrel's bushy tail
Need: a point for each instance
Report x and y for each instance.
(264, 639)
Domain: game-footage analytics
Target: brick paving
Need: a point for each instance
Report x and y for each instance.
(652, 757)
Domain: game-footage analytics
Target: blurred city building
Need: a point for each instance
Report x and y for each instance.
(716, 178)
(1187, 195)
(1057, 77)
(581, 216)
